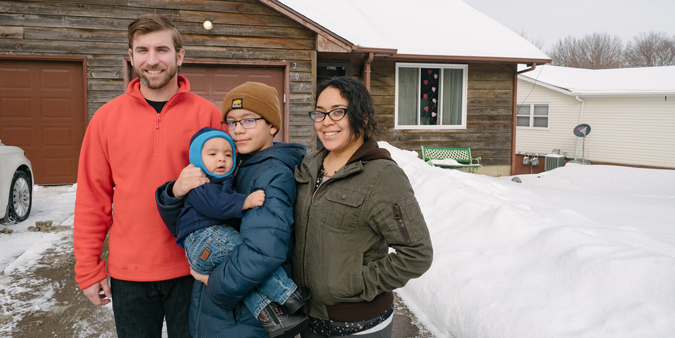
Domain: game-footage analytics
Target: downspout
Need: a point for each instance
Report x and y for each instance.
(366, 70)
(513, 112)
(581, 117)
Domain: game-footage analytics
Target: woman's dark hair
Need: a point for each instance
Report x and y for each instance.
(359, 104)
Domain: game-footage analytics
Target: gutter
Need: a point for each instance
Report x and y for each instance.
(513, 113)
(581, 117)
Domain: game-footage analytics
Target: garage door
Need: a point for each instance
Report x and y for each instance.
(42, 110)
(213, 82)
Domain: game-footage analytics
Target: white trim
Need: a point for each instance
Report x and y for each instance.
(465, 81)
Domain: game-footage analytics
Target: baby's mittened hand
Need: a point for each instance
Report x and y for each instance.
(255, 199)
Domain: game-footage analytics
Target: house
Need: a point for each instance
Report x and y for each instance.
(631, 112)
(62, 60)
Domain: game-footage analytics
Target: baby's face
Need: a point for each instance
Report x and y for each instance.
(217, 156)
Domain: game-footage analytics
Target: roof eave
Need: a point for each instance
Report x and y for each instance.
(326, 40)
(569, 92)
(477, 59)
(624, 94)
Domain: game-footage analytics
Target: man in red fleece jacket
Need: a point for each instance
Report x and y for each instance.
(133, 144)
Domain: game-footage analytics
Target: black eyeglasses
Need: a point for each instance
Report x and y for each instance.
(335, 115)
(245, 123)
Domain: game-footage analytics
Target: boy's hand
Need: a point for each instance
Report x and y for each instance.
(190, 178)
(198, 276)
(255, 199)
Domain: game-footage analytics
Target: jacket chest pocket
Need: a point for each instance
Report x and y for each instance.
(341, 212)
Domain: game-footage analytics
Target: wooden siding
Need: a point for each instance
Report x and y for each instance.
(489, 119)
(244, 30)
(624, 130)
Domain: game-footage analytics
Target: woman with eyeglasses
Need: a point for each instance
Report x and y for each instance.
(353, 204)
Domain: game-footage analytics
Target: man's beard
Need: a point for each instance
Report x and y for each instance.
(169, 74)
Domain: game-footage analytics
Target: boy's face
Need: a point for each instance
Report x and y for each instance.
(253, 140)
(217, 156)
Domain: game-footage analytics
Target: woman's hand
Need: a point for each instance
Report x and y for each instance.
(198, 276)
(190, 177)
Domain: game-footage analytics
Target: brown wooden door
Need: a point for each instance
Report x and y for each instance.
(213, 82)
(42, 110)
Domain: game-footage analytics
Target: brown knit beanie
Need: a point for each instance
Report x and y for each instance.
(256, 97)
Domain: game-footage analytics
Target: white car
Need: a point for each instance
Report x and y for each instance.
(16, 184)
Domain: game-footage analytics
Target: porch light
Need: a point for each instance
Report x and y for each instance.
(208, 23)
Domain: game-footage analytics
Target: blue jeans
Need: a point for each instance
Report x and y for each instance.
(140, 307)
(207, 248)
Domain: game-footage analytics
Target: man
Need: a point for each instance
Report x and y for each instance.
(132, 145)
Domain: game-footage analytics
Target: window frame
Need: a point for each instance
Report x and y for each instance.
(442, 66)
(531, 116)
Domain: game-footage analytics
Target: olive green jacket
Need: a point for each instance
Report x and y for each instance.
(344, 231)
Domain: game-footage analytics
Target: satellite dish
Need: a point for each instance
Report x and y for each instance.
(582, 130)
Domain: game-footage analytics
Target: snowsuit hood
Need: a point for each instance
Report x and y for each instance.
(197, 143)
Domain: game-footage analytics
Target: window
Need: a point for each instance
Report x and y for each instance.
(325, 70)
(430, 96)
(532, 115)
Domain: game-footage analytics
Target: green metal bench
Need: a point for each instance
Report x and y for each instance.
(434, 155)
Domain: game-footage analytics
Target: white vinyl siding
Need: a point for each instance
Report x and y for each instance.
(631, 130)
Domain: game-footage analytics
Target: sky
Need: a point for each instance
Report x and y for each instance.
(575, 252)
(554, 20)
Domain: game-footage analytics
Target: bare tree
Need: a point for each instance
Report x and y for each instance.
(593, 51)
(650, 50)
(536, 41)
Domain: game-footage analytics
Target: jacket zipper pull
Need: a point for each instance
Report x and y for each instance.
(401, 224)
(158, 118)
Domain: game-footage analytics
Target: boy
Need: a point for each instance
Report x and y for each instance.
(251, 112)
(203, 231)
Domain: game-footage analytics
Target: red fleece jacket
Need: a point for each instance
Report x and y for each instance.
(128, 151)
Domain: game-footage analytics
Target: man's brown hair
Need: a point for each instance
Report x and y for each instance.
(148, 23)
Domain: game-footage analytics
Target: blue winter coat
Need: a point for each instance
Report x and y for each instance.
(216, 309)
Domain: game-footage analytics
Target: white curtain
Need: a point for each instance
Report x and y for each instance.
(452, 97)
(408, 84)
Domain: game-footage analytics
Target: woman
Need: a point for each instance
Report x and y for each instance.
(353, 204)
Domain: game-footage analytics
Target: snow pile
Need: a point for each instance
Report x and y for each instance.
(580, 251)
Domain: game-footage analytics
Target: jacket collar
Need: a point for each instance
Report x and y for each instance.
(134, 89)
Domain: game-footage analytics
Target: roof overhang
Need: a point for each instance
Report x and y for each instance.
(569, 92)
(327, 41)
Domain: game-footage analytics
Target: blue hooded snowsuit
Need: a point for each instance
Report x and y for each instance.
(267, 233)
(213, 203)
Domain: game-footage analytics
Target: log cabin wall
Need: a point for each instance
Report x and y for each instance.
(489, 119)
(244, 30)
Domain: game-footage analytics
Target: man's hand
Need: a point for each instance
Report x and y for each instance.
(198, 276)
(190, 177)
(99, 293)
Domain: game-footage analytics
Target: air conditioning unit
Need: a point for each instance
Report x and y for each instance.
(553, 161)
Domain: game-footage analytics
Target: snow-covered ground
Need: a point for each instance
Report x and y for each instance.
(579, 251)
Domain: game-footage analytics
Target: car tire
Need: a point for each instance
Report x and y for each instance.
(20, 198)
